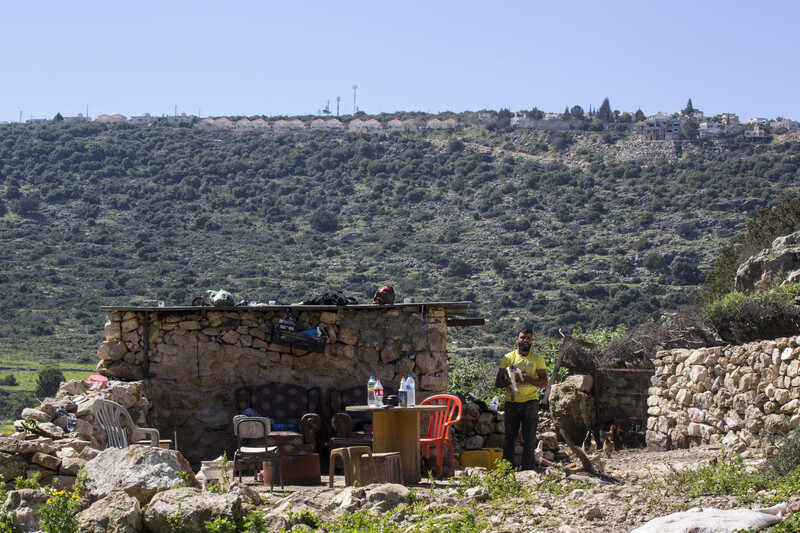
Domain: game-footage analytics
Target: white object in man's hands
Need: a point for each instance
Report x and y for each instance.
(513, 372)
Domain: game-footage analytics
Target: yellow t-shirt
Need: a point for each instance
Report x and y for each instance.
(530, 364)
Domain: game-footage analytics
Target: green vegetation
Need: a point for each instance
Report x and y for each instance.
(48, 380)
(555, 231)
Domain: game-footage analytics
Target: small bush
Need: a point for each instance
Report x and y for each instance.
(58, 513)
(738, 317)
(788, 457)
(48, 381)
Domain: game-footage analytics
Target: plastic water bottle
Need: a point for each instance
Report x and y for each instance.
(494, 404)
(378, 393)
(371, 392)
(402, 397)
(410, 392)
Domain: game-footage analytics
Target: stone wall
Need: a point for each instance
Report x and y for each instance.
(731, 395)
(193, 359)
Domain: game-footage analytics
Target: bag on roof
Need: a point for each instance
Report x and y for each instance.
(332, 298)
(221, 298)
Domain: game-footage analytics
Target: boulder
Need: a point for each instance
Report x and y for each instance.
(116, 513)
(196, 507)
(573, 409)
(35, 414)
(140, 471)
(246, 495)
(761, 271)
(12, 466)
(24, 503)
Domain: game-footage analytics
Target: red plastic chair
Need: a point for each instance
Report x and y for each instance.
(439, 427)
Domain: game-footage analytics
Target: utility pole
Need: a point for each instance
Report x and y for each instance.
(355, 88)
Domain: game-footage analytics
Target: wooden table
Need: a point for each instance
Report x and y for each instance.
(396, 429)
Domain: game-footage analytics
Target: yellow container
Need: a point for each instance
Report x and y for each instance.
(474, 458)
(495, 456)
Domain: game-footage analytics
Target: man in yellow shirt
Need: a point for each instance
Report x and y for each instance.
(522, 407)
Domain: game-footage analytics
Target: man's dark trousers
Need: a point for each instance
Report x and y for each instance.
(525, 414)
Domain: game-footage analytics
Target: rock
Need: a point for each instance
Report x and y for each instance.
(112, 350)
(375, 498)
(593, 513)
(573, 408)
(761, 271)
(12, 466)
(196, 507)
(36, 414)
(246, 495)
(47, 461)
(710, 520)
(70, 466)
(480, 494)
(51, 430)
(140, 471)
(116, 513)
(549, 441)
(24, 503)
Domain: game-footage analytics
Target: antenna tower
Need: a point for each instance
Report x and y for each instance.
(338, 98)
(355, 88)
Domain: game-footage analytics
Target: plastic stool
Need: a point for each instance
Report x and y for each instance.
(344, 453)
(355, 459)
(351, 463)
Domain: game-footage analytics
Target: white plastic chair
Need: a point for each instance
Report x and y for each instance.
(111, 415)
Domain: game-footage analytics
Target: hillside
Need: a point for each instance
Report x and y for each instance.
(572, 230)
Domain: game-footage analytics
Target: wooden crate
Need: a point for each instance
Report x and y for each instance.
(388, 464)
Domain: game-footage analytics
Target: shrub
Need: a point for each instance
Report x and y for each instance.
(48, 381)
(324, 221)
(738, 317)
(58, 513)
(470, 375)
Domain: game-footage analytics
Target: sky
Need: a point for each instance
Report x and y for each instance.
(295, 57)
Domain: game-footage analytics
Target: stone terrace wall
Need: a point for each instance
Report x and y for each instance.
(193, 359)
(729, 395)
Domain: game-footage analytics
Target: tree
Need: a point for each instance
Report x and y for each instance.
(458, 267)
(504, 118)
(535, 114)
(576, 112)
(604, 113)
(689, 111)
(58, 118)
(324, 221)
(454, 145)
(48, 381)
(566, 115)
(499, 265)
(684, 273)
(691, 128)
(639, 116)
(27, 204)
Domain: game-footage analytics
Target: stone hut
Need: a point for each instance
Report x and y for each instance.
(191, 360)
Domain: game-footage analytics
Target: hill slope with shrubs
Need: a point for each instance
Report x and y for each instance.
(552, 230)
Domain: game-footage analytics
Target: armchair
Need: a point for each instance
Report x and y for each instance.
(351, 429)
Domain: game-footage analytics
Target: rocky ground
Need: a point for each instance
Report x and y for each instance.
(596, 506)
